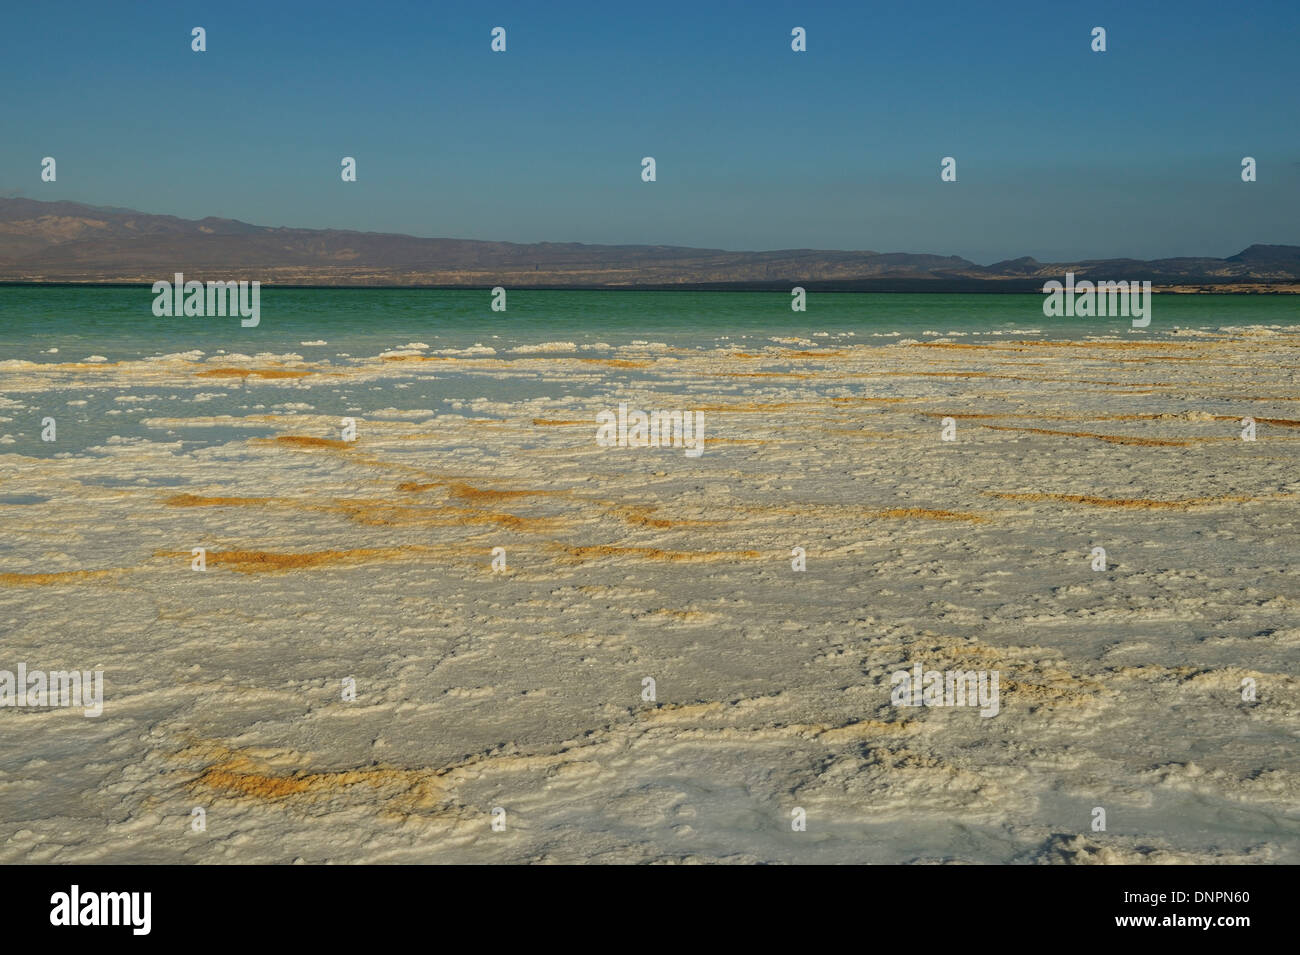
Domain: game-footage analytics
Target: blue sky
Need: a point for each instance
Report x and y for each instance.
(1061, 153)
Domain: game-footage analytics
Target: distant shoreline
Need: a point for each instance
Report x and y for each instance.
(931, 287)
(68, 243)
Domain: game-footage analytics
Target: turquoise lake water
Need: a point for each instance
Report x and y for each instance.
(342, 328)
(119, 324)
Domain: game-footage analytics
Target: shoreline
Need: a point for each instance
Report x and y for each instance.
(998, 287)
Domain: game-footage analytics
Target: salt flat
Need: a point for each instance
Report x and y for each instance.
(371, 559)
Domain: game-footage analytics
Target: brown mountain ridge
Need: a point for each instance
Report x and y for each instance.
(44, 242)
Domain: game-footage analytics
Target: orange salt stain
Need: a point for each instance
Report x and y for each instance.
(870, 401)
(1129, 346)
(250, 372)
(615, 362)
(242, 777)
(260, 561)
(1150, 416)
(302, 441)
(48, 580)
(929, 514)
(762, 374)
(655, 553)
(1282, 422)
(643, 517)
(196, 500)
(384, 514)
(949, 374)
(990, 375)
(1125, 502)
(465, 492)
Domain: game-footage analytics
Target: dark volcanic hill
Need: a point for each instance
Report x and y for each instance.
(70, 242)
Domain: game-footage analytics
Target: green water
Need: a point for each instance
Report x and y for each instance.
(119, 324)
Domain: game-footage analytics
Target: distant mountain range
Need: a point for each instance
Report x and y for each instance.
(71, 242)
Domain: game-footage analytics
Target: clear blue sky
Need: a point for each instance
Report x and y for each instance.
(1062, 153)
